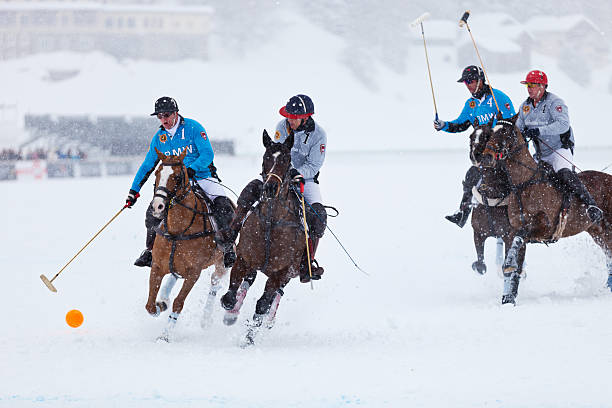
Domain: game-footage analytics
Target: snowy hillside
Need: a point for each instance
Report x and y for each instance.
(237, 98)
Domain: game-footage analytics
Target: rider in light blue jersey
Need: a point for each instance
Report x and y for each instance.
(174, 135)
(481, 106)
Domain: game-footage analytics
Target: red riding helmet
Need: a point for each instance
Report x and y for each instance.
(536, 77)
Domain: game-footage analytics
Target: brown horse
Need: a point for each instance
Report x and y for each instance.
(490, 216)
(535, 206)
(184, 244)
(272, 241)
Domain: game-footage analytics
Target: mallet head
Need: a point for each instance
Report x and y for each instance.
(420, 19)
(48, 283)
(464, 18)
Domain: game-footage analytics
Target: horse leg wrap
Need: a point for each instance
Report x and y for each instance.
(609, 265)
(499, 253)
(511, 263)
(511, 283)
(271, 317)
(164, 293)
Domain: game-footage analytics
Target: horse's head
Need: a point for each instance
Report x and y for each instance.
(276, 164)
(170, 179)
(478, 140)
(504, 140)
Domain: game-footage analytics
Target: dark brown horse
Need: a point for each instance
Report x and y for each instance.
(535, 206)
(184, 244)
(490, 216)
(272, 241)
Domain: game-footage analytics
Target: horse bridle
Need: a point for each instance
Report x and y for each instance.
(505, 152)
(181, 185)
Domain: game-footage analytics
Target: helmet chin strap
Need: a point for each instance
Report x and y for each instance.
(479, 89)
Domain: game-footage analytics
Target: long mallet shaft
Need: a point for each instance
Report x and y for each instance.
(416, 22)
(462, 22)
(306, 236)
(49, 283)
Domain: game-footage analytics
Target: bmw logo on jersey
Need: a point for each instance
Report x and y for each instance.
(485, 117)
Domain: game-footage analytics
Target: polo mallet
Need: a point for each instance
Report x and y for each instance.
(462, 22)
(419, 21)
(306, 235)
(49, 283)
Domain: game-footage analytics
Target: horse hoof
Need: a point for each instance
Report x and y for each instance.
(162, 306)
(163, 339)
(479, 267)
(230, 318)
(228, 301)
(509, 299)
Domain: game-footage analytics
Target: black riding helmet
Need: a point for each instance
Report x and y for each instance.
(472, 73)
(165, 104)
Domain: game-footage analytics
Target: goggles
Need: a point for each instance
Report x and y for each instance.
(164, 115)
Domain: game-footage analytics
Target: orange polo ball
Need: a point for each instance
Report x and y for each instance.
(74, 318)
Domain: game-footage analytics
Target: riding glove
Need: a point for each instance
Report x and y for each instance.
(191, 172)
(439, 124)
(131, 198)
(296, 177)
(532, 134)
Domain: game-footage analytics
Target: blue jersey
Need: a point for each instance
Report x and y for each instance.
(189, 135)
(482, 109)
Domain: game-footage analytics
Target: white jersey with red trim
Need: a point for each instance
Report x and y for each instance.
(309, 147)
(551, 117)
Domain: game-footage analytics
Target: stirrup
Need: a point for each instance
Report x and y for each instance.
(144, 259)
(595, 213)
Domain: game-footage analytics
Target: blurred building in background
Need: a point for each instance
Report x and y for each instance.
(120, 28)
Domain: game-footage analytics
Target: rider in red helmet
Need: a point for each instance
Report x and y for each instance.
(307, 157)
(544, 119)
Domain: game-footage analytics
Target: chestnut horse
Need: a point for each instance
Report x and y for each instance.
(535, 205)
(184, 244)
(490, 216)
(272, 241)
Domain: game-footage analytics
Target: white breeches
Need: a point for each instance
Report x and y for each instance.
(212, 188)
(560, 159)
(312, 192)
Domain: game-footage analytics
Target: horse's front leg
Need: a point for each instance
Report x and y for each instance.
(265, 310)
(155, 279)
(241, 280)
(179, 302)
(166, 289)
(479, 266)
(215, 285)
(515, 254)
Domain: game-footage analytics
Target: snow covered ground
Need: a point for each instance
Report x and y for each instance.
(422, 330)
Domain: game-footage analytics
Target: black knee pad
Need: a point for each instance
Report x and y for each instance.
(471, 177)
(250, 194)
(316, 217)
(223, 206)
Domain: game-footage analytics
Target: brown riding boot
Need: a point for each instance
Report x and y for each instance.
(315, 269)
